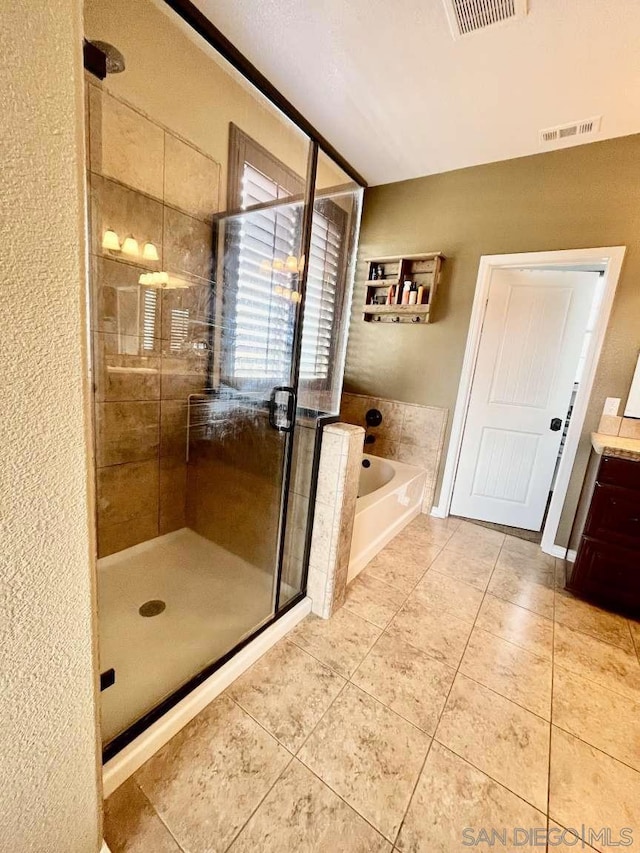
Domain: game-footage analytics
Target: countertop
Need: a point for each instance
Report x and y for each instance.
(615, 445)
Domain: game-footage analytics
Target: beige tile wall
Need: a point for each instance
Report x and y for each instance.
(335, 507)
(408, 433)
(147, 182)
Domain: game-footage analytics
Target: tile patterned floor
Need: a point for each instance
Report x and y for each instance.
(459, 696)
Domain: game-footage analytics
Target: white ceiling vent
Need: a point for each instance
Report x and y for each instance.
(564, 132)
(469, 16)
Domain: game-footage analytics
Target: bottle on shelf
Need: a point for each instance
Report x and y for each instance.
(413, 293)
(380, 271)
(390, 295)
(405, 292)
(420, 295)
(374, 273)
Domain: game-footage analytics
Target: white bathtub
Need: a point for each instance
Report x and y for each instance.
(389, 497)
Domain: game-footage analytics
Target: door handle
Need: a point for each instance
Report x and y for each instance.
(556, 424)
(282, 406)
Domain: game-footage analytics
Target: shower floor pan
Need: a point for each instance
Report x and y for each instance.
(212, 599)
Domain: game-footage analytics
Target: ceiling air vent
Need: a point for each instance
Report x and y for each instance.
(469, 16)
(565, 132)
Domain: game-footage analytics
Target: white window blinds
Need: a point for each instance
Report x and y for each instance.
(263, 319)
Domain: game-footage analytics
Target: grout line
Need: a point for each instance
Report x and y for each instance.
(262, 799)
(437, 725)
(553, 652)
(158, 815)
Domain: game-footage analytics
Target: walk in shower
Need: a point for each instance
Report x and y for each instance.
(222, 250)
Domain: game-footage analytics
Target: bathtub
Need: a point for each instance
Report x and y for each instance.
(389, 497)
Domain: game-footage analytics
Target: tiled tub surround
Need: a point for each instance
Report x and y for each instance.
(148, 350)
(408, 433)
(458, 687)
(338, 475)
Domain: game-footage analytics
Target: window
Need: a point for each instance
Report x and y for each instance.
(262, 321)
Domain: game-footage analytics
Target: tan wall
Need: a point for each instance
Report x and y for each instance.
(48, 743)
(175, 78)
(581, 197)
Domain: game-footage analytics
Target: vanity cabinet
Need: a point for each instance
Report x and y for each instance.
(607, 567)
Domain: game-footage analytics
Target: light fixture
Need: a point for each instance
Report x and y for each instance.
(278, 265)
(291, 264)
(295, 296)
(130, 246)
(110, 241)
(149, 252)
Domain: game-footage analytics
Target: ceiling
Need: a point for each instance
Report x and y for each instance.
(391, 90)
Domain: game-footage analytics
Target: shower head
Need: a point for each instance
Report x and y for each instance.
(115, 60)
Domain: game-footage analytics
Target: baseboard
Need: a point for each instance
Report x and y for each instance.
(133, 756)
(559, 551)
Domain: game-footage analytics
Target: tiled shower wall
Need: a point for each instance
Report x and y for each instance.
(150, 346)
(408, 433)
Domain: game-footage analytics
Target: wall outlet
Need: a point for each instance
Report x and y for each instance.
(611, 406)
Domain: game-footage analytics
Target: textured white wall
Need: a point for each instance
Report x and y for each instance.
(48, 746)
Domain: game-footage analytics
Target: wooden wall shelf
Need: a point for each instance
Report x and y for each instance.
(423, 271)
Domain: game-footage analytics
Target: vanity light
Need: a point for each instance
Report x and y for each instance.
(294, 296)
(149, 252)
(291, 264)
(110, 241)
(130, 246)
(278, 265)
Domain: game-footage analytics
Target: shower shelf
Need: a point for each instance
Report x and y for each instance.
(423, 269)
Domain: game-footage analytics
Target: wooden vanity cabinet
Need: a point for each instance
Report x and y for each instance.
(607, 567)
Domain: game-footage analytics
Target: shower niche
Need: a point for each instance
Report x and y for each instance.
(222, 245)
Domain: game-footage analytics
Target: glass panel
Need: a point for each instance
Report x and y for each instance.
(331, 265)
(193, 317)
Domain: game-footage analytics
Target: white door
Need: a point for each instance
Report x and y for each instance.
(532, 336)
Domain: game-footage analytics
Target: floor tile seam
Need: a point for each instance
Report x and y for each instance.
(315, 656)
(599, 749)
(514, 644)
(342, 798)
(553, 669)
(261, 801)
(413, 792)
(489, 776)
(321, 718)
(454, 578)
(607, 688)
(393, 710)
(502, 696)
(157, 813)
(261, 725)
(635, 645)
(599, 639)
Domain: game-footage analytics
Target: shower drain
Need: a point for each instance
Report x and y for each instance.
(152, 608)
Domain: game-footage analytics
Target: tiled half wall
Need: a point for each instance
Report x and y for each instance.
(408, 433)
(338, 475)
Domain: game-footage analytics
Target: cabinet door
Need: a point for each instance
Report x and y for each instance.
(607, 574)
(614, 515)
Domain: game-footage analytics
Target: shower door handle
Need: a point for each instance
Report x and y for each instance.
(282, 407)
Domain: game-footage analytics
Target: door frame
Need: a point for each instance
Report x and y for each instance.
(609, 256)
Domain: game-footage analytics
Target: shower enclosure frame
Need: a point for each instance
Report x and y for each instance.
(198, 22)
